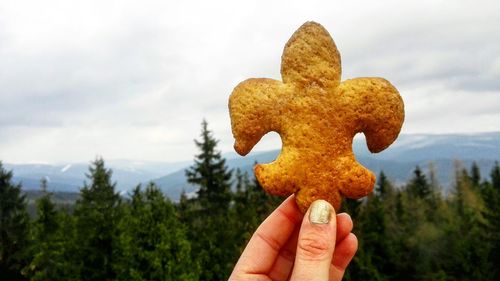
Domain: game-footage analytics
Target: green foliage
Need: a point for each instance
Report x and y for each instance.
(97, 215)
(210, 174)
(412, 231)
(47, 249)
(419, 186)
(251, 206)
(475, 174)
(208, 217)
(153, 242)
(14, 228)
(491, 196)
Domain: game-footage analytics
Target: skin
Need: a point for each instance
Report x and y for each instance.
(287, 246)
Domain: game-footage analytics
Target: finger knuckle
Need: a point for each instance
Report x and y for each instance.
(313, 247)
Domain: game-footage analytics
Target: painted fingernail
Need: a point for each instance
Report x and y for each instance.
(320, 212)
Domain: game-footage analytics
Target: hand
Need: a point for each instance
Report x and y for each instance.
(290, 246)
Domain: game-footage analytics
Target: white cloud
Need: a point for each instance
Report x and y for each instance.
(134, 80)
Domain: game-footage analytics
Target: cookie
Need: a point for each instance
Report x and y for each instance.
(316, 116)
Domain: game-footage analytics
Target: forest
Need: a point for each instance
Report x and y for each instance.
(413, 231)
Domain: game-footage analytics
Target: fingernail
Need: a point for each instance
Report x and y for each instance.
(320, 212)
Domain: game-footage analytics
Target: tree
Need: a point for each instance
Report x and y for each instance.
(468, 235)
(251, 205)
(210, 173)
(384, 187)
(243, 210)
(419, 185)
(97, 215)
(495, 176)
(153, 242)
(209, 234)
(47, 249)
(491, 197)
(376, 254)
(46, 223)
(433, 178)
(14, 228)
(475, 174)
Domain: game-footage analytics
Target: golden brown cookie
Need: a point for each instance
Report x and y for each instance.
(317, 117)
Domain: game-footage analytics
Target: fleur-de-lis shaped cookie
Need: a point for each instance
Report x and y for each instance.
(316, 116)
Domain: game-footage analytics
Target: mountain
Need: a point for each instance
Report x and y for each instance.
(69, 177)
(398, 162)
(420, 147)
(175, 183)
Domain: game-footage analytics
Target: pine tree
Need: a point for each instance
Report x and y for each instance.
(491, 197)
(210, 173)
(475, 174)
(153, 242)
(468, 236)
(14, 228)
(384, 187)
(250, 206)
(46, 221)
(264, 203)
(495, 176)
(47, 249)
(433, 178)
(208, 223)
(419, 185)
(377, 251)
(97, 215)
(67, 259)
(414, 214)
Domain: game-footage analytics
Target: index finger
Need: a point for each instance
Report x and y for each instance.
(264, 246)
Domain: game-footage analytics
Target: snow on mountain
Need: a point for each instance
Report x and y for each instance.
(65, 168)
(398, 162)
(70, 177)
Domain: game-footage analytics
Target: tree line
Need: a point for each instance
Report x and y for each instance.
(408, 232)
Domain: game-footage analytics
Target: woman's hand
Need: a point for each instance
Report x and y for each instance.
(290, 246)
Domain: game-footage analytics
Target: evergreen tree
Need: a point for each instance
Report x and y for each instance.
(414, 235)
(153, 242)
(246, 217)
(419, 185)
(475, 174)
(263, 202)
(361, 267)
(468, 236)
(14, 228)
(47, 248)
(67, 261)
(384, 187)
(491, 197)
(373, 236)
(495, 176)
(209, 172)
(433, 178)
(251, 206)
(97, 215)
(208, 223)
(186, 208)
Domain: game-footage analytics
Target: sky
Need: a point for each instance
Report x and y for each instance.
(135, 79)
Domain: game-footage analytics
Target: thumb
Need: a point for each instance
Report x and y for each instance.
(316, 243)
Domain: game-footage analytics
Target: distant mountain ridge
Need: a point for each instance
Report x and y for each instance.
(70, 177)
(398, 162)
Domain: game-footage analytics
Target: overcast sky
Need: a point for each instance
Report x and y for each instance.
(134, 79)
